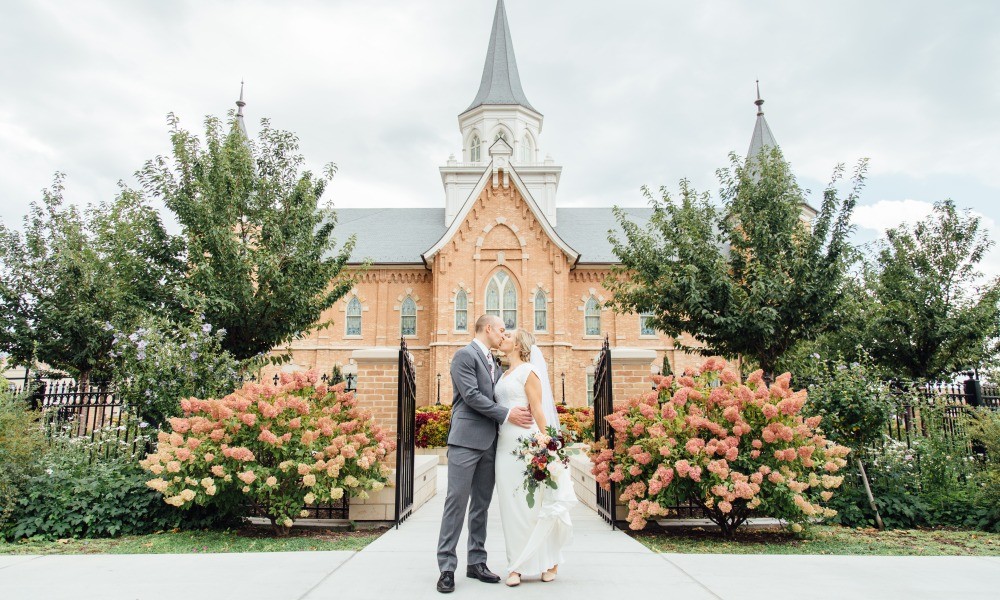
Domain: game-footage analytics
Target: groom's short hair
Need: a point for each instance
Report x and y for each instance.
(485, 320)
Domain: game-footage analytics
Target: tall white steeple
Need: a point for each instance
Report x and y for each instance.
(500, 111)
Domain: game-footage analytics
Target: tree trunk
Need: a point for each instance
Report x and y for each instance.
(279, 530)
(868, 491)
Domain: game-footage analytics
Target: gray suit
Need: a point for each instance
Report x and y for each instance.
(472, 447)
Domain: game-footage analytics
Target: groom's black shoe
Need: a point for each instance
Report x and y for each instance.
(446, 582)
(480, 572)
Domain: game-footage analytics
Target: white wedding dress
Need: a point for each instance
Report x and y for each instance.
(534, 536)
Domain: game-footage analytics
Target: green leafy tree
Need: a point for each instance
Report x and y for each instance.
(260, 249)
(750, 278)
(69, 277)
(930, 314)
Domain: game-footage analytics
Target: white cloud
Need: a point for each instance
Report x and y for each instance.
(887, 214)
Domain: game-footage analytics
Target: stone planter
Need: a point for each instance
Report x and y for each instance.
(441, 453)
(381, 506)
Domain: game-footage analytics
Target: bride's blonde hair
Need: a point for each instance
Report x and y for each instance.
(523, 341)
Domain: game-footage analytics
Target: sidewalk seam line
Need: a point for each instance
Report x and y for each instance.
(24, 562)
(690, 576)
(327, 576)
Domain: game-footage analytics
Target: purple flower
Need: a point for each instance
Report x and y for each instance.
(194, 356)
(206, 328)
(141, 355)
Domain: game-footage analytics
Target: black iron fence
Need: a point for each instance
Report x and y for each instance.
(405, 439)
(919, 406)
(604, 405)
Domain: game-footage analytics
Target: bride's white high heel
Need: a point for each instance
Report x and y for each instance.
(513, 580)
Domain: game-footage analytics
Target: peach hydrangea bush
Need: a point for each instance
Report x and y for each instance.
(728, 446)
(277, 448)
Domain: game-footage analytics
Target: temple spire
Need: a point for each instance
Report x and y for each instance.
(501, 83)
(762, 136)
(239, 112)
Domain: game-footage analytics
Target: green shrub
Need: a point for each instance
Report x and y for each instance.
(984, 431)
(163, 362)
(72, 497)
(22, 442)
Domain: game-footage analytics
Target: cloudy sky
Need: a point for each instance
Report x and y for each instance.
(633, 92)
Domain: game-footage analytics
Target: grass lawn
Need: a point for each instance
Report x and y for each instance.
(191, 542)
(827, 540)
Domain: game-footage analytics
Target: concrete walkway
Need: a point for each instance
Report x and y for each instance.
(401, 565)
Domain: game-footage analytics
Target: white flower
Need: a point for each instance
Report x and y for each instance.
(49, 471)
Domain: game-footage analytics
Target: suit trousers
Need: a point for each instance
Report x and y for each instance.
(470, 485)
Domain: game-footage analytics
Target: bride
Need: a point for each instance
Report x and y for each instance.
(534, 536)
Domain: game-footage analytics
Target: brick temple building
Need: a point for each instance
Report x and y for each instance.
(500, 243)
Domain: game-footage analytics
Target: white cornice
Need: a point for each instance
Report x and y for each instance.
(571, 254)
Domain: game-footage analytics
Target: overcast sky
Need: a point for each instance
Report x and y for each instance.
(633, 92)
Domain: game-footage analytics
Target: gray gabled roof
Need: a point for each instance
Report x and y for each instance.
(402, 235)
(586, 230)
(501, 83)
(390, 235)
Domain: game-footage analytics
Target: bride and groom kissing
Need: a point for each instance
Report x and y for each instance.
(491, 414)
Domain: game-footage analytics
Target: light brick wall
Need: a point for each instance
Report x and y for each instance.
(378, 390)
(500, 232)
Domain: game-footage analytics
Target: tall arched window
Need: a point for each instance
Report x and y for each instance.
(527, 151)
(408, 317)
(354, 317)
(592, 317)
(461, 311)
(501, 299)
(474, 146)
(541, 312)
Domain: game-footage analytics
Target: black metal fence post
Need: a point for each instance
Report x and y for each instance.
(37, 396)
(405, 428)
(973, 392)
(604, 405)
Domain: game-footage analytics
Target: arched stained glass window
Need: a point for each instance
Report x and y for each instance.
(501, 299)
(474, 149)
(461, 311)
(408, 317)
(354, 316)
(541, 312)
(592, 317)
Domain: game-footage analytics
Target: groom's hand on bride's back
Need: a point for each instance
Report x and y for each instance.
(520, 416)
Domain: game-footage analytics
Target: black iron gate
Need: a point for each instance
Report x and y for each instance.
(405, 424)
(604, 405)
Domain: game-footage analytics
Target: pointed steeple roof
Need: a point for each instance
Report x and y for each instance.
(762, 136)
(501, 83)
(239, 113)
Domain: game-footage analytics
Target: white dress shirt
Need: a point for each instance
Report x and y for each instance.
(493, 365)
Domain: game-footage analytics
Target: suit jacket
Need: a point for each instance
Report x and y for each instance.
(475, 415)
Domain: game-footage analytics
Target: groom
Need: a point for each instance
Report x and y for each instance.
(472, 448)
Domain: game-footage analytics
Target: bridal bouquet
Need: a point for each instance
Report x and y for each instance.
(538, 451)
